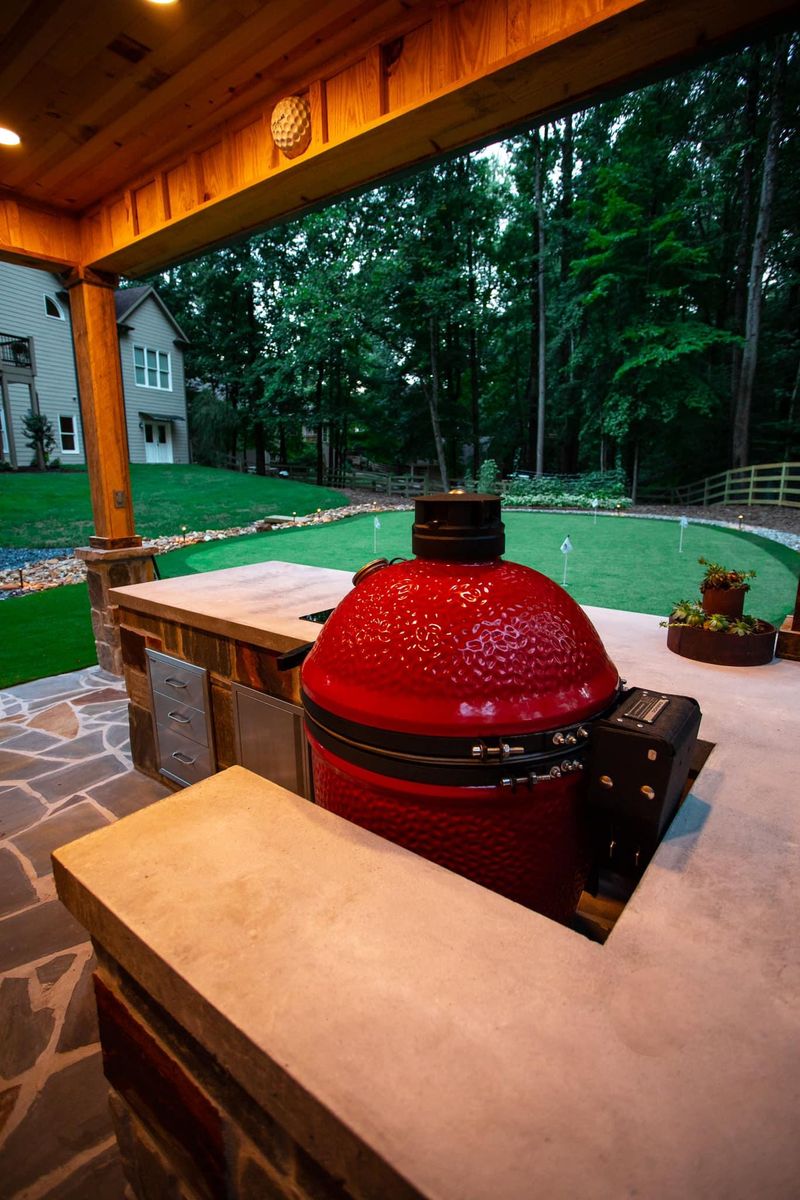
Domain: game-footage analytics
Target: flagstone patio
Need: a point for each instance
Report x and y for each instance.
(65, 770)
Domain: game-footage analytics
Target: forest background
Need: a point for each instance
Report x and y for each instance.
(615, 289)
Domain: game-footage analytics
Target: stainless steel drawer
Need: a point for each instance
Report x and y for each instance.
(183, 760)
(178, 680)
(180, 718)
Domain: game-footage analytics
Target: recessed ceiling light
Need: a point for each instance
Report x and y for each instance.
(162, 1)
(8, 137)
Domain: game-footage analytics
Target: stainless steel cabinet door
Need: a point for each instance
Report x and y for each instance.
(270, 739)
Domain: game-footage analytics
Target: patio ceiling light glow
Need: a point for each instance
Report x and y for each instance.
(163, 1)
(8, 137)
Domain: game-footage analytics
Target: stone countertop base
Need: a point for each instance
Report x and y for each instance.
(475, 1048)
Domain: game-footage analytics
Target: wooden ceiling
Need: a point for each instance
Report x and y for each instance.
(145, 128)
(101, 90)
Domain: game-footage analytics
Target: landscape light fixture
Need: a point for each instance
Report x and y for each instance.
(8, 137)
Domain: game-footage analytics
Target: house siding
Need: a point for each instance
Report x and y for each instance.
(22, 313)
(149, 327)
(22, 292)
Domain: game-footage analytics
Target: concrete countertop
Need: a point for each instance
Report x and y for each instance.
(482, 1051)
(261, 604)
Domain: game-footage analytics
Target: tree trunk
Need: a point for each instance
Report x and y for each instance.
(744, 394)
(746, 173)
(540, 291)
(320, 446)
(433, 402)
(474, 383)
(787, 449)
(572, 416)
(260, 449)
(635, 471)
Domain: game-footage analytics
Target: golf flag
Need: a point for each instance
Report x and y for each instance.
(377, 522)
(684, 523)
(595, 506)
(566, 549)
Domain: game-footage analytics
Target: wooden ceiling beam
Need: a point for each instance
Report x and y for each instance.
(467, 72)
(37, 237)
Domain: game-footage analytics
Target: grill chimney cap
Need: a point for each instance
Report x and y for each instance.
(458, 526)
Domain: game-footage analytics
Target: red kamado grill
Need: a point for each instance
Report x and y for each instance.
(449, 703)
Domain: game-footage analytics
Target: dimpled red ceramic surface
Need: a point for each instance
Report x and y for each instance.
(459, 648)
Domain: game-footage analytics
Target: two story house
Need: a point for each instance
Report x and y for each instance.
(37, 370)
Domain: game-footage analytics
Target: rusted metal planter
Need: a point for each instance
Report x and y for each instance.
(723, 649)
(727, 602)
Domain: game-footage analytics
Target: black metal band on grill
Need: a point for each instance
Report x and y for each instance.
(445, 761)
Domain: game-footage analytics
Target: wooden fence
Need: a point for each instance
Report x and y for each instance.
(769, 483)
(379, 482)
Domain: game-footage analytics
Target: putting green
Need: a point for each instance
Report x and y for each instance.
(616, 562)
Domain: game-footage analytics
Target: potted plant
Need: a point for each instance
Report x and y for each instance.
(723, 590)
(714, 638)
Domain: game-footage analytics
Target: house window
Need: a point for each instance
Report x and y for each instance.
(53, 308)
(152, 368)
(68, 435)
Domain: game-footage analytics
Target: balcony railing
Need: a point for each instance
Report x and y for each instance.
(16, 351)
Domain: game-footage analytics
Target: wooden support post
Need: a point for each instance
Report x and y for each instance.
(94, 331)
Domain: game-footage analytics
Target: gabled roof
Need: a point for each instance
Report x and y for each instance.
(127, 300)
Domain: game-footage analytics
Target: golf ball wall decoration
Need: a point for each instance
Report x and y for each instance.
(291, 125)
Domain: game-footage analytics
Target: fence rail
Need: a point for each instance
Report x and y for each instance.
(379, 482)
(768, 483)
(15, 351)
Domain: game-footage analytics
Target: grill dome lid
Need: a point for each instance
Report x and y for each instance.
(455, 646)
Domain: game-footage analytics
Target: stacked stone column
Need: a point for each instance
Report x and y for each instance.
(106, 569)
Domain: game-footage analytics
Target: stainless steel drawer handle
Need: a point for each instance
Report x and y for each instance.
(183, 758)
(173, 682)
(173, 716)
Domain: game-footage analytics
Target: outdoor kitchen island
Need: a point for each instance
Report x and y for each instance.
(289, 1003)
(201, 658)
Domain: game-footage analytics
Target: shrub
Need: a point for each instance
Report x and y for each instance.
(39, 437)
(489, 476)
(567, 491)
(553, 498)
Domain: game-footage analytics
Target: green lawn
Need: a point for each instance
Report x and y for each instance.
(53, 509)
(620, 562)
(45, 634)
